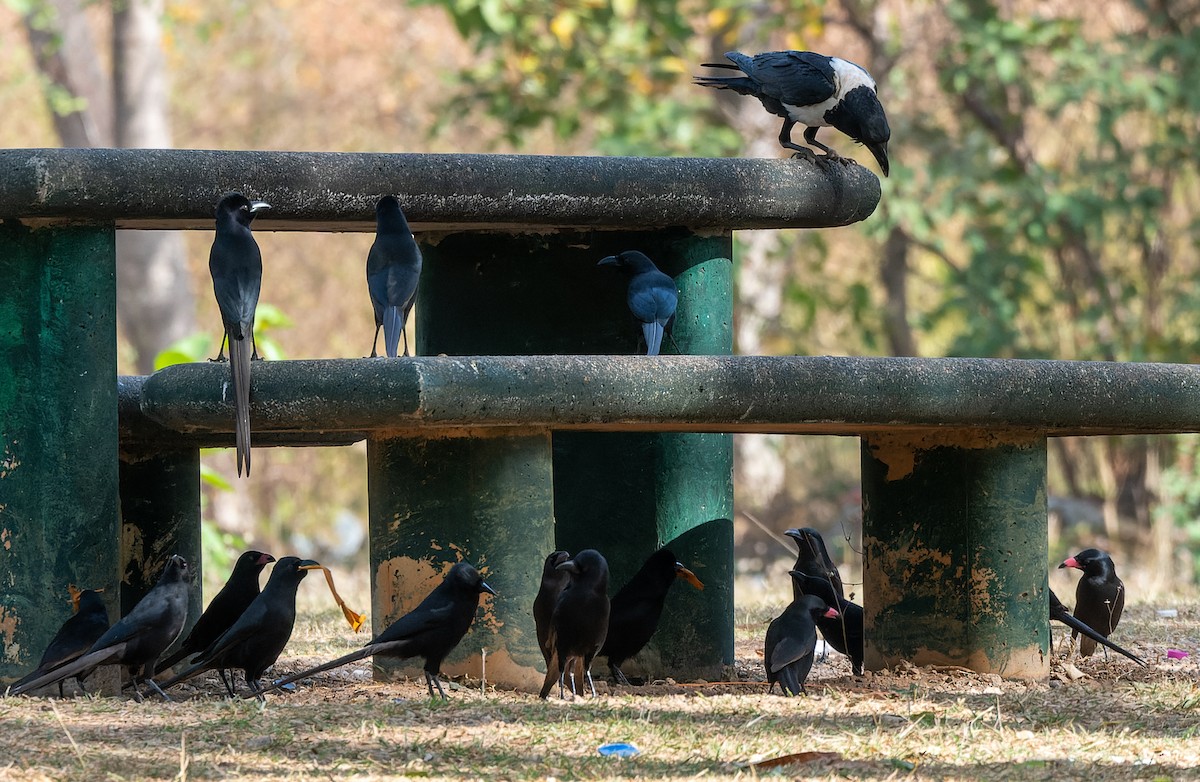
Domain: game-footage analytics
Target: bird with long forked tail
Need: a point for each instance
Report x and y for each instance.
(235, 263)
(652, 296)
(393, 272)
(73, 639)
(813, 90)
(136, 641)
(431, 630)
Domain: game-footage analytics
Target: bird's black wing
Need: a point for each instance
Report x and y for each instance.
(794, 78)
(795, 643)
(421, 619)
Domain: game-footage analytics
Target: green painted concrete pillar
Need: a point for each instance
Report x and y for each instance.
(160, 516)
(486, 499)
(58, 431)
(625, 494)
(955, 550)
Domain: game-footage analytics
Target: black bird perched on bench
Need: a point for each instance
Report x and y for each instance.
(652, 296)
(393, 271)
(813, 90)
(224, 609)
(76, 636)
(253, 642)
(138, 638)
(790, 643)
(635, 609)
(1059, 613)
(580, 621)
(1099, 596)
(236, 267)
(843, 632)
(431, 630)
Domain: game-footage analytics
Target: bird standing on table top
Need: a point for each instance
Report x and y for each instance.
(225, 607)
(236, 267)
(1099, 596)
(813, 90)
(393, 271)
(652, 296)
(431, 630)
(1059, 613)
(579, 622)
(76, 636)
(553, 583)
(790, 643)
(635, 609)
(138, 638)
(254, 641)
(843, 632)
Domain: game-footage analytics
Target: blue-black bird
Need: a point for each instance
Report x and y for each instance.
(236, 267)
(813, 558)
(431, 630)
(137, 640)
(1059, 613)
(790, 643)
(843, 632)
(580, 621)
(813, 90)
(1099, 596)
(253, 642)
(76, 636)
(636, 608)
(225, 607)
(652, 296)
(553, 582)
(393, 271)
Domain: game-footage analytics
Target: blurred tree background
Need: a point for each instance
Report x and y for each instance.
(1042, 204)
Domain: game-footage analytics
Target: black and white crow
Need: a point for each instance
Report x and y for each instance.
(637, 607)
(236, 267)
(393, 271)
(137, 640)
(813, 90)
(553, 582)
(76, 636)
(254, 641)
(652, 296)
(1059, 613)
(580, 621)
(431, 630)
(1099, 596)
(225, 607)
(843, 632)
(790, 643)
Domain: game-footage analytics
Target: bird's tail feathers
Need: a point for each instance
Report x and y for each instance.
(725, 65)
(80, 665)
(358, 654)
(393, 327)
(738, 84)
(789, 682)
(239, 368)
(653, 332)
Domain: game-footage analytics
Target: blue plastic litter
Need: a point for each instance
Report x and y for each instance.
(618, 749)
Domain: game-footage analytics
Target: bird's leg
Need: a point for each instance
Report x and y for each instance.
(810, 135)
(154, 686)
(254, 348)
(587, 672)
(221, 352)
(228, 684)
(404, 334)
(618, 675)
(431, 681)
(785, 140)
(60, 691)
(574, 692)
(562, 696)
(375, 342)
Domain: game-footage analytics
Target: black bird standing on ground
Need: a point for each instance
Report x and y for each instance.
(580, 621)
(431, 630)
(813, 90)
(76, 636)
(553, 582)
(393, 271)
(813, 558)
(843, 632)
(790, 642)
(1099, 596)
(236, 267)
(652, 296)
(253, 642)
(635, 609)
(138, 638)
(225, 607)
(1059, 613)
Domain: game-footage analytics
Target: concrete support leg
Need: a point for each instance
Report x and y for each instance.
(160, 516)
(484, 499)
(954, 552)
(623, 494)
(58, 431)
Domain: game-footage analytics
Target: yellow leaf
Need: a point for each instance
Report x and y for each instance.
(563, 26)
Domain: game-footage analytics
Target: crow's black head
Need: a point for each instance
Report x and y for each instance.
(242, 209)
(859, 115)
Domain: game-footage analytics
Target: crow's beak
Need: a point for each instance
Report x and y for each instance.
(569, 566)
(609, 261)
(309, 564)
(688, 576)
(1070, 562)
(265, 558)
(257, 205)
(483, 587)
(831, 613)
(879, 150)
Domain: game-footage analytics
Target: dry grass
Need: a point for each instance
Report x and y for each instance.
(1118, 723)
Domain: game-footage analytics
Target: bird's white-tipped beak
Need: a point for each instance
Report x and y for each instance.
(256, 205)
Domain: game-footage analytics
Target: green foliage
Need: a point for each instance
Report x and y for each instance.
(199, 346)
